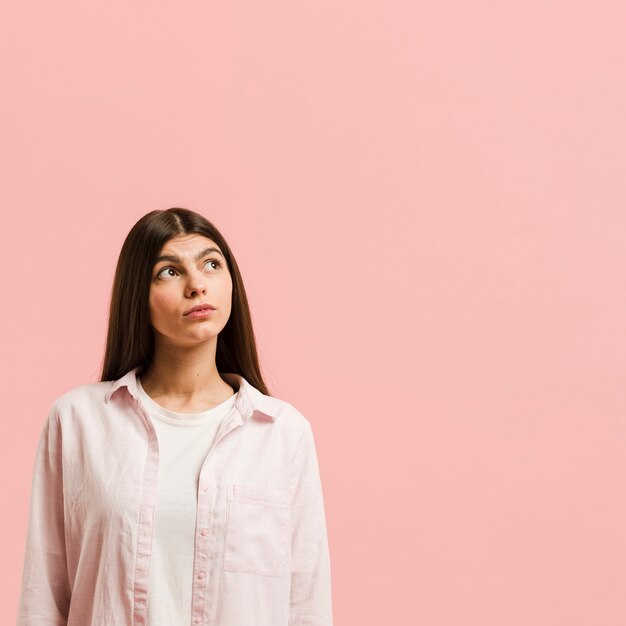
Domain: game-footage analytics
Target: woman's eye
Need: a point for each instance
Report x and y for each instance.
(165, 268)
(215, 261)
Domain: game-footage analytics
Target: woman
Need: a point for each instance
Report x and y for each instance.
(176, 490)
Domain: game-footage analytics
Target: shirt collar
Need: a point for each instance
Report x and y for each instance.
(249, 401)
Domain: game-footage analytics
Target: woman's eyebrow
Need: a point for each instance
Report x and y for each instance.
(175, 259)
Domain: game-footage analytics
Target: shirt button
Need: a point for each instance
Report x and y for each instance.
(201, 575)
(197, 620)
(203, 532)
(205, 489)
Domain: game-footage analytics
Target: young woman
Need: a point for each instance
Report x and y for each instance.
(176, 491)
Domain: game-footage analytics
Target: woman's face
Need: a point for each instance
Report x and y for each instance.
(195, 273)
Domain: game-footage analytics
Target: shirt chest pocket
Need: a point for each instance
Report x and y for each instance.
(257, 530)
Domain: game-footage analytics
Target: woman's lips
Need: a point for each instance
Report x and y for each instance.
(198, 314)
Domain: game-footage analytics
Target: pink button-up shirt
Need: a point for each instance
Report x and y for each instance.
(261, 554)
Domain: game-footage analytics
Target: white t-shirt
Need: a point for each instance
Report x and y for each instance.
(184, 441)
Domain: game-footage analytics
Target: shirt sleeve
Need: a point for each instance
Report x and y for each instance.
(44, 598)
(310, 598)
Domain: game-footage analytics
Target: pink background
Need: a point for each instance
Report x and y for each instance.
(426, 200)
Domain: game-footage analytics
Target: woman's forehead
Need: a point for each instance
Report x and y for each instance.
(190, 246)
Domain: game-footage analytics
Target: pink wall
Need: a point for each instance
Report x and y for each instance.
(426, 200)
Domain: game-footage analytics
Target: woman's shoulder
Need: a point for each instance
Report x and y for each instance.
(86, 395)
(281, 411)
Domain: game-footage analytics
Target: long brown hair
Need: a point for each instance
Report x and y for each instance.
(130, 337)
